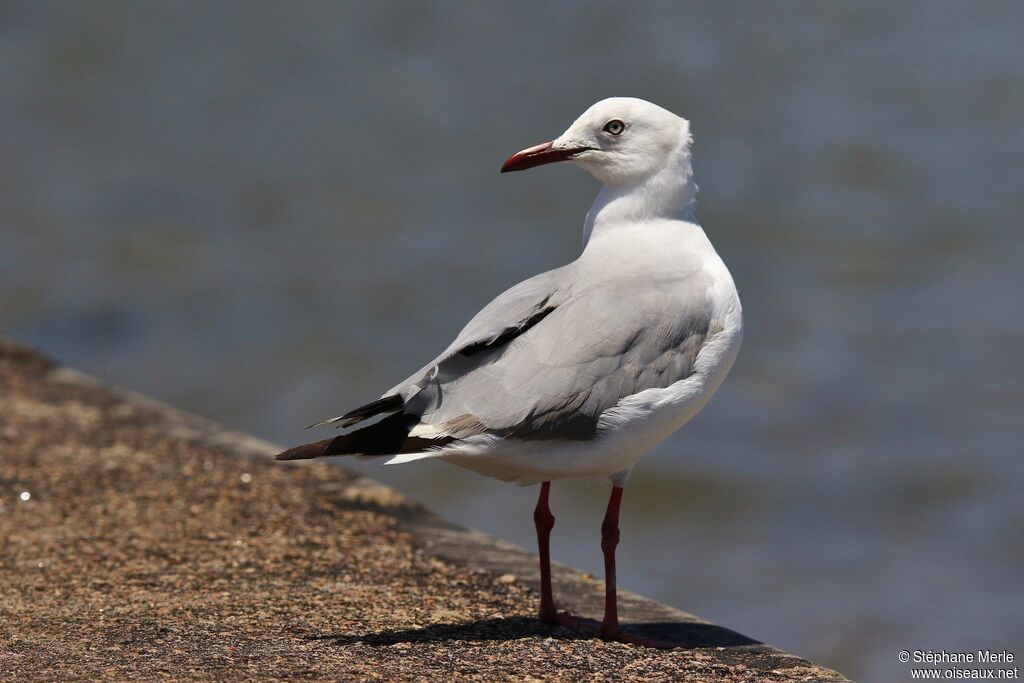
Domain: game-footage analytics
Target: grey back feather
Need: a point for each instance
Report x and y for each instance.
(548, 356)
(502, 318)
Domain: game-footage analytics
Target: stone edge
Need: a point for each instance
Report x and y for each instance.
(578, 591)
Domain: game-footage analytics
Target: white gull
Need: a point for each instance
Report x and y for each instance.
(581, 370)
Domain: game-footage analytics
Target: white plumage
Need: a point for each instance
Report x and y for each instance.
(581, 370)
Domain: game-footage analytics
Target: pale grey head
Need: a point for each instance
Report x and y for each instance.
(619, 141)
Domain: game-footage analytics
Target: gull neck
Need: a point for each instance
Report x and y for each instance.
(668, 194)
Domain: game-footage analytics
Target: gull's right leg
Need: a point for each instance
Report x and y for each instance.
(545, 522)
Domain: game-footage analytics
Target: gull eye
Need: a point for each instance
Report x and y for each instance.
(614, 127)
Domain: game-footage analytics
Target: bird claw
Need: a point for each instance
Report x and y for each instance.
(608, 633)
(617, 635)
(570, 620)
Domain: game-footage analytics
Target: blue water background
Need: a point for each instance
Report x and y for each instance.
(268, 213)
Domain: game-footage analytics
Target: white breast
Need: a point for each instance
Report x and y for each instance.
(641, 421)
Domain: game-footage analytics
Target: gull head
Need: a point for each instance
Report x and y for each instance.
(619, 141)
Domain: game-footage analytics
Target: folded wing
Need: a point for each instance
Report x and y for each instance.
(542, 361)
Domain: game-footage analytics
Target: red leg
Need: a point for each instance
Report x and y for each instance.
(610, 629)
(609, 540)
(545, 521)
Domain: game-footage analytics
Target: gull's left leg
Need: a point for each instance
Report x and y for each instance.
(610, 629)
(609, 540)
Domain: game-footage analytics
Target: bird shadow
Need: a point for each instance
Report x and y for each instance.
(681, 634)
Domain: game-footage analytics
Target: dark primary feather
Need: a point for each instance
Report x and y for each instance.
(390, 436)
(508, 334)
(388, 404)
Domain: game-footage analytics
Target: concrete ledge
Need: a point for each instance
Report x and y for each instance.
(140, 541)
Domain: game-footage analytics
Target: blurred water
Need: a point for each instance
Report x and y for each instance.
(269, 212)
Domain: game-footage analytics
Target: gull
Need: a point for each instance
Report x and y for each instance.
(579, 371)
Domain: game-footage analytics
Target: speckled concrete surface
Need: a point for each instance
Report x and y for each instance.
(138, 542)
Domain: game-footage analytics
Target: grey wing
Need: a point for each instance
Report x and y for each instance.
(508, 315)
(542, 361)
(587, 353)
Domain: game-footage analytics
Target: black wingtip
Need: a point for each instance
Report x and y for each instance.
(388, 404)
(305, 451)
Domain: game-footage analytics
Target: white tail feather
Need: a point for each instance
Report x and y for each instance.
(410, 457)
